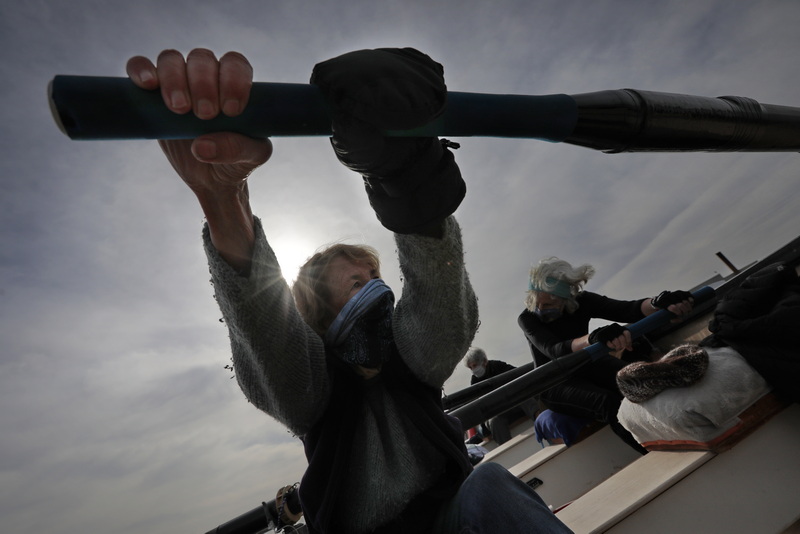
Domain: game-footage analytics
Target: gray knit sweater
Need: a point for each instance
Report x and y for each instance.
(280, 362)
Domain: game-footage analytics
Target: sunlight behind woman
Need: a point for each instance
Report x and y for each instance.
(292, 252)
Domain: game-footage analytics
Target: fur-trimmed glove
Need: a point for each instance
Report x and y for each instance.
(604, 334)
(411, 182)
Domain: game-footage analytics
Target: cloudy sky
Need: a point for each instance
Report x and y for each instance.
(116, 412)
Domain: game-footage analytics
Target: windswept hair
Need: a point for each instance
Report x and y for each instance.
(552, 268)
(311, 294)
(475, 355)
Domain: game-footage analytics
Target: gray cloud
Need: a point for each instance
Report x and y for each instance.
(118, 415)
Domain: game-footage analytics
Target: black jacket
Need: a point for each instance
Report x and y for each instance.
(759, 320)
(493, 368)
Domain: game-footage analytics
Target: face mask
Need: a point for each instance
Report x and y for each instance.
(364, 336)
(479, 371)
(548, 314)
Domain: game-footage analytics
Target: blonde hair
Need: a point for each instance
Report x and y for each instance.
(310, 291)
(549, 272)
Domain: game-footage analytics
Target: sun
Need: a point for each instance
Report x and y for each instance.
(292, 252)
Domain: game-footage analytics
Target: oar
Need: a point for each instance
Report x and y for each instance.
(542, 378)
(624, 120)
(463, 396)
(264, 517)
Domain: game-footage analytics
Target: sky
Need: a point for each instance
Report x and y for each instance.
(117, 412)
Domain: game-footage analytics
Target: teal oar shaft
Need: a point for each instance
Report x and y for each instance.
(542, 378)
(95, 107)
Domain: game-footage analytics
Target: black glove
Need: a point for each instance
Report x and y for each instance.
(604, 334)
(390, 88)
(412, 182)
(665, 299)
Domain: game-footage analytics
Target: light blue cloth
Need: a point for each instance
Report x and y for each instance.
(357, 306)
(550, 425)
(554, 286)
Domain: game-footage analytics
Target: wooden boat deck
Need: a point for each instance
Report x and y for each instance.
(513, 451)
(742, 490)
(630, 489)
(568, 473)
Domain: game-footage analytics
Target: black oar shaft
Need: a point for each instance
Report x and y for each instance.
(474, 391)
(629, 120)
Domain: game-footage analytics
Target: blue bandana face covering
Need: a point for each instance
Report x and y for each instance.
(362, 332)
(548, 314)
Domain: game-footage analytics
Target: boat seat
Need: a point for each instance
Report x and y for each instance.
(514, 450)
(733, 487)
(750, 487)
(629, 489)
(565, 473)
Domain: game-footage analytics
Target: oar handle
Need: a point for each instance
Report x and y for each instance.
(651, 322)
(98, 107)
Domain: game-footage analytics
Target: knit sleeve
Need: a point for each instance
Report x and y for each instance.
(279, 362)
(436, 317)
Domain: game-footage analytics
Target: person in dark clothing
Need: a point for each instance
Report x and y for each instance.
(483, 368)
(759, 320)
(352, 374)
(556, 323)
